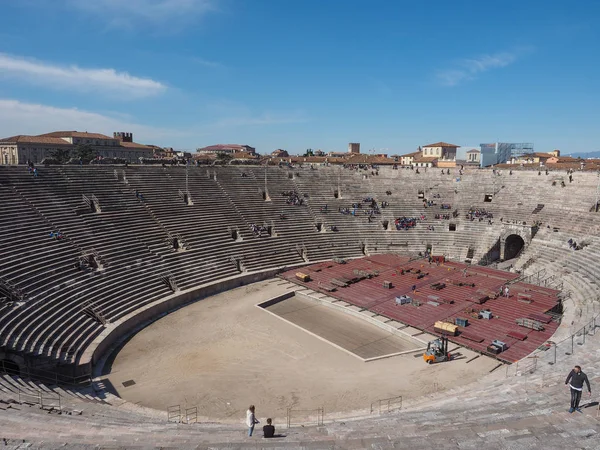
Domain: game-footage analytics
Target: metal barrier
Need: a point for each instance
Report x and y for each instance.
(191, 415)
(547, 353)
(174, 413)
(32, 398)
(50, 400)
(386, 405)
(299, 417)
(45, 376)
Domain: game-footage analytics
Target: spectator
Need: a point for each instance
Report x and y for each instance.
(575, 381)
(251, 419)
(269, 429)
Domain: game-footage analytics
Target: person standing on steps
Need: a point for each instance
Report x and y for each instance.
(251, 419)
(575, 380)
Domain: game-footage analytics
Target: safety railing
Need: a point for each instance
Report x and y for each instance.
(45, 376)
(191, 415)
(386, 405)
(174, 413)
(550, 352)
(44, 399)
(301, 417)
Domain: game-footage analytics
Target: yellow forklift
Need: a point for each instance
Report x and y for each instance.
(437, 351)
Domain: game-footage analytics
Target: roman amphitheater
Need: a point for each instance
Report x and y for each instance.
(147, 307)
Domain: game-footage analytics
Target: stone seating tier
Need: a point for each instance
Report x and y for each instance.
(133, 237)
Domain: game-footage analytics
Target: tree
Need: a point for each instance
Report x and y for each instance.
(60, 155)
(309, 152)
(224, 157)
(85, 152)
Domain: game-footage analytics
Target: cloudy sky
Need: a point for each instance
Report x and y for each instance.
(300, 74)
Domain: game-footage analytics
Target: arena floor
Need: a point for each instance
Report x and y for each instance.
(223, 353)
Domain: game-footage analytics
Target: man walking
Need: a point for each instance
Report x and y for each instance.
(575, 381)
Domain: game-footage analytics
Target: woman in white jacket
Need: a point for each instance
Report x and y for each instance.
(251, 419)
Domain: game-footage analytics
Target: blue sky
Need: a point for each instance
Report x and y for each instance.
(299, 74)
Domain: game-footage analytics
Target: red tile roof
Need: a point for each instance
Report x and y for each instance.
(442, 144)
(244, 155)
(224, 146)
(79, 134)
(135, 145)
(413, 154)
(43, 139)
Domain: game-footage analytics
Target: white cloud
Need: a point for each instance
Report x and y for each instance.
(73, 77)
(18, 117)
(30, 118)
(170, 13)
(469, 69)
(207, 63)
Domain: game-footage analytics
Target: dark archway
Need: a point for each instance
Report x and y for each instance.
(513, 246)
(9, 367)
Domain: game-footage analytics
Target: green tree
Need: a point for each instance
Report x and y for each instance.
(224, 157)
(61, 155)
(309, 152)
(85, 152)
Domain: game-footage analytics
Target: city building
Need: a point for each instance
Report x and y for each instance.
(22, 148)
(473, 156)
(537, 158)
(227, 148)
(407, 159)
(502, 152)
(444, 153)
(354, 147)
(424, 161)
(279, 153)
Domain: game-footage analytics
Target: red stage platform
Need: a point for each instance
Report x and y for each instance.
(526, 301)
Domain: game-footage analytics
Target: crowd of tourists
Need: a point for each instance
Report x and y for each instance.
(406, 223)
(479, 213)
(293, 198)
(369, 207)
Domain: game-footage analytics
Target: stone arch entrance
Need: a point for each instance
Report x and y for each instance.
(9, 367)
(514, 240)
(513, 246)
(11, 363)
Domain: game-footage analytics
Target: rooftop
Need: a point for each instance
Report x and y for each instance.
(413, 154)
(135, 145)
(43, 139)
(442, 144)
(78, 134)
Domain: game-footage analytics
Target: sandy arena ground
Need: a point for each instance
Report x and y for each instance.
(223, 353)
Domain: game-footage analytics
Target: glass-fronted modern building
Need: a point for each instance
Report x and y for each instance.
(501, 152)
